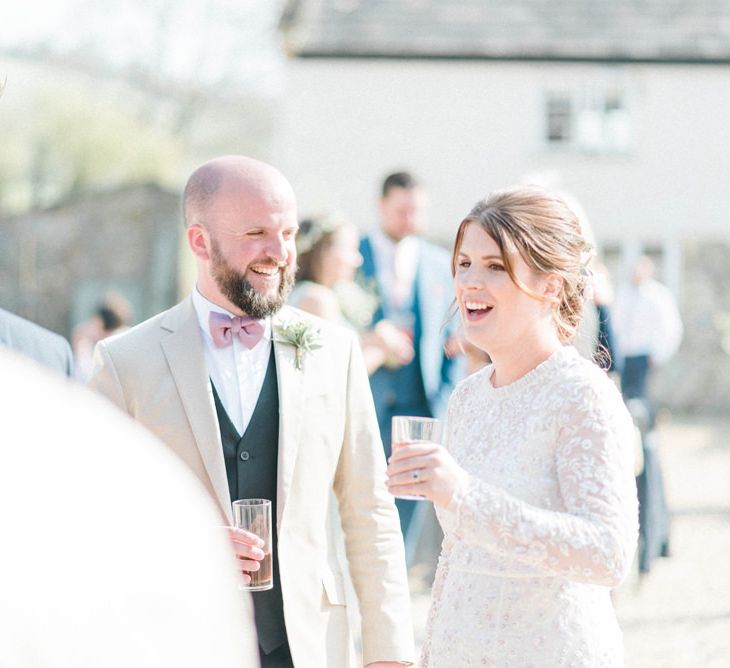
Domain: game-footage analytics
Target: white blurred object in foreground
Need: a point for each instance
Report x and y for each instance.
(111, 556)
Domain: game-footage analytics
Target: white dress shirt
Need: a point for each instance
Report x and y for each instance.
(396, 263)
(647, 321)
(237, 372)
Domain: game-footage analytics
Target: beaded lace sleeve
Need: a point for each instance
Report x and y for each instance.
(592, 540)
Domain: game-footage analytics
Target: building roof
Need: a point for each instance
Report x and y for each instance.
(673, 31)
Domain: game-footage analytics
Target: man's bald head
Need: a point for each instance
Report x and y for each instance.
(249, 177)
(241, 219)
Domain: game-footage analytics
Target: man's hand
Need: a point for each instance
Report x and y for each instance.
(456, 345)
(388, 664)
(398, 346)
(247, 547)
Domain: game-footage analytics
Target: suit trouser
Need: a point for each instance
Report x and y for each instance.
(634, 376)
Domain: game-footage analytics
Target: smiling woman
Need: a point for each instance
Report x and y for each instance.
(517, 259)
(535, 487)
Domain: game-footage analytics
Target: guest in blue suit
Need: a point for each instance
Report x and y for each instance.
(412, 279)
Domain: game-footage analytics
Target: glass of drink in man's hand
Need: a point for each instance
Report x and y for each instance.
(406, 430)
(254, 515)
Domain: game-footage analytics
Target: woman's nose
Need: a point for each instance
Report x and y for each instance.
(470, 279)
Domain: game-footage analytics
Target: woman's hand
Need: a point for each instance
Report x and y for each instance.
(425, 469)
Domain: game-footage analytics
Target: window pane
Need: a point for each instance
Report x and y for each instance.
(559, 119)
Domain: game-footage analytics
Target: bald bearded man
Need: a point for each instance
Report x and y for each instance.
(261, 400)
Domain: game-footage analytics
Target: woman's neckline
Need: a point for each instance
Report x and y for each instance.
(528, 378)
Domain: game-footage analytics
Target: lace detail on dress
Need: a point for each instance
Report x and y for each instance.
(546, 524)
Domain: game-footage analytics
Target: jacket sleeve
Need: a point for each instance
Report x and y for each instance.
(371, 527)
(593, 539)
(104, 378)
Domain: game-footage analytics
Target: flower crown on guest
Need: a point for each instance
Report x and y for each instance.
(314, 229)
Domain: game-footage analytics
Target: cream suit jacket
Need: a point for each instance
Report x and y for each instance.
(328, 440)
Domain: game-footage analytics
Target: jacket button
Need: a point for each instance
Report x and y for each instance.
(244, 455)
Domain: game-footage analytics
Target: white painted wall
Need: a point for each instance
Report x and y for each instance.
(466, 128)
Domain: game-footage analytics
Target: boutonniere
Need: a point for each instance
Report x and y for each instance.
(302, 335)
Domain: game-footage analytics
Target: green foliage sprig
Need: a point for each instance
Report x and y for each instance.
(302, 335)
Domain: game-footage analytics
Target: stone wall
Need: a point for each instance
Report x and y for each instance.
(56, 264)
(698, 377)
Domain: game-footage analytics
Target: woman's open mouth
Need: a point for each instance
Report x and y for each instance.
(476, 310)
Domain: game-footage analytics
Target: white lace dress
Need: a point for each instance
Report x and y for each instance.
(546, 525)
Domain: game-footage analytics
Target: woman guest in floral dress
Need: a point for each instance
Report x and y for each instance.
(328, 257)
(535, 485)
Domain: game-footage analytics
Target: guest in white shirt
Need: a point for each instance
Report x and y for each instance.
(648, 327)
(234, 367)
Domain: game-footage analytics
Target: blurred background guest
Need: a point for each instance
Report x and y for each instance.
(49, 349)
(648, 331)
(412, 279)
(648, 327)
(328, 258)
(458, 345)
(111, 316)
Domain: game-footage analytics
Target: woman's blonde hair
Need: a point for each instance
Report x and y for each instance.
(547, 234)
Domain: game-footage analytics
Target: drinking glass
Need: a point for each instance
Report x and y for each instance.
(406, 430)
(254, 515)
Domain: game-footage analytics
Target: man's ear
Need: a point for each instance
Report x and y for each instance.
(199, 241)
(553, 286)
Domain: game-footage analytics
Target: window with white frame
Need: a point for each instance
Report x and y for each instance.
(591, 118)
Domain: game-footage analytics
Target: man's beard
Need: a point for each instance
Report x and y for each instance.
(239, 291)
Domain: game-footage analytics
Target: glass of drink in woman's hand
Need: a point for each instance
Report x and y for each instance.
(254, 515)
(406, 430)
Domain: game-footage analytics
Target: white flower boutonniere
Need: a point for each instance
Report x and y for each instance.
(302, 335)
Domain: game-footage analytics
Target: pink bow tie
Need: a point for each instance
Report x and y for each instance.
(222, 328)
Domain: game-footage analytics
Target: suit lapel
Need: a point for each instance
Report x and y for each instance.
(370, 273)
(368, 262)
(183, 349)
(291, 408)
